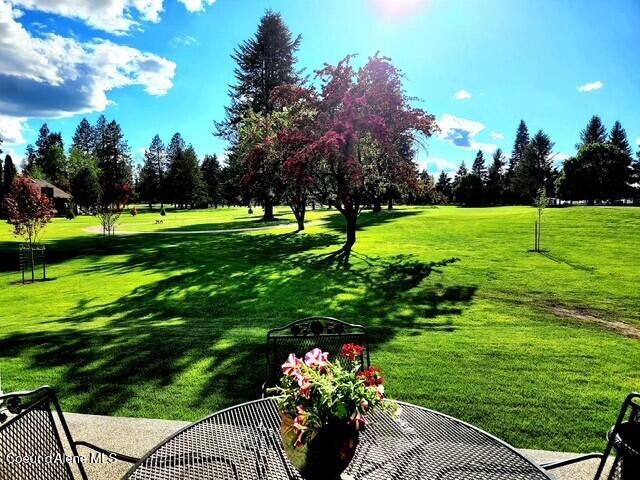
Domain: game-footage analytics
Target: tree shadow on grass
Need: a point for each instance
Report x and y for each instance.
(195, 338)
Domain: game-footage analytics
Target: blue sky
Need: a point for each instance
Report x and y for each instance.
(161, 66)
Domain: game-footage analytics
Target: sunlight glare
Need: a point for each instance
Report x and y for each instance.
(398, 8)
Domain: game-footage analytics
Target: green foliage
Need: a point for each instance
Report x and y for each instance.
(599, 171)
(263, 63)
(85, 187)
(594, 132)
(535, 170)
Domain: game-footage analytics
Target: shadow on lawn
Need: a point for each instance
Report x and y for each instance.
(204, 322)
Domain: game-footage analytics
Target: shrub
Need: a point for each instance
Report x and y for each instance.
(134, 211)
(163, 212)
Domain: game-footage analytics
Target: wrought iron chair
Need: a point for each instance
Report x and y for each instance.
(326, 333)
(31, 441)
(626, 465)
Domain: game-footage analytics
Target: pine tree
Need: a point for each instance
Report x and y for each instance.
(478, 167)
(618, 138)
(263, 63)
(443, 187)
(50, 158)
(184, 174)
(495, 179)
(211, 176)
(594, 132)
(29, 163)
(9, 173)
(153, 173)
(519, 146)
(535, 170)
(113, 160)
(83, 138)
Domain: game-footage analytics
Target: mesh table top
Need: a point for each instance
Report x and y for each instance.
(243, 442)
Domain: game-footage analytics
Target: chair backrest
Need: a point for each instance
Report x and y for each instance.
(30, 441)
(326, 333)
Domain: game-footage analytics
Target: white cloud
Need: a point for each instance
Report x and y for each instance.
(461, 132)
(496, 136)
(638, 141)
(437, 165)
(114, 16)
(196, 5)
(56, 76)
(462, 95)
(11, 129)
(185, 41)
(590, 87)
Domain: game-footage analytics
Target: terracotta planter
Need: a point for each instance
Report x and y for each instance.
(326, 456)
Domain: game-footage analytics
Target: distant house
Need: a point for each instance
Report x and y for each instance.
(61, 199)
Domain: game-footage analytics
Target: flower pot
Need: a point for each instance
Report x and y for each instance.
(326, 455)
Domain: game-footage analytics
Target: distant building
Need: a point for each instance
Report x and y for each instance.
(61, 199)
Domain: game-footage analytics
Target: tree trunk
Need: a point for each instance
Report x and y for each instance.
(268, 211)
(390, 204)
(352, 222)
(377, 205)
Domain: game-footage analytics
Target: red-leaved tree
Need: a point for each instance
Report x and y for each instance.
(28, 209)
(363, 125)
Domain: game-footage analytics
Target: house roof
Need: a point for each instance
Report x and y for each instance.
(57, 192)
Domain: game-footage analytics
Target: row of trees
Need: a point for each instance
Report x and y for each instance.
(602, 170)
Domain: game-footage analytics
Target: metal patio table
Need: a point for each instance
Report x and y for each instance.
(243, 442)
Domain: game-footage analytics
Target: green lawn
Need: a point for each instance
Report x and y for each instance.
(464, 318)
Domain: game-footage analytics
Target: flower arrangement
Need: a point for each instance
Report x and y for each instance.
(318, 393)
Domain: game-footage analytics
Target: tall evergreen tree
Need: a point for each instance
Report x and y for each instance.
(263, 63)
(535, 170)
(478, 166)
(83, 138)
(153, 174)
(594, 132)
(9, 173)
(50, 159)
(211, 176)
(443, 187)
(495, 179)
(113, 160)
(618, 138)
(185, 177)
(519, 146)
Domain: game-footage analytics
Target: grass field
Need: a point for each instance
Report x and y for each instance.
(169, 321)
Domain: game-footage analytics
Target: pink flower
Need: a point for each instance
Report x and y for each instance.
(358, 421)
(364, 405)
(316, 358)
(299, 425)
(292, 365)
(305, 386)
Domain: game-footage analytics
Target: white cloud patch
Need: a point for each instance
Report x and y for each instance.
(11, 129)
(462, 95)
(461, 132)
(638, 141)
(184, 41)
(114, 16)
(56, 76)
(590, 87)
(496, 136)
(435, 165)
(196, 5)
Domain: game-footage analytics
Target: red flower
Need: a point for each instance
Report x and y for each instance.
(371, 376)
(352, 351)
